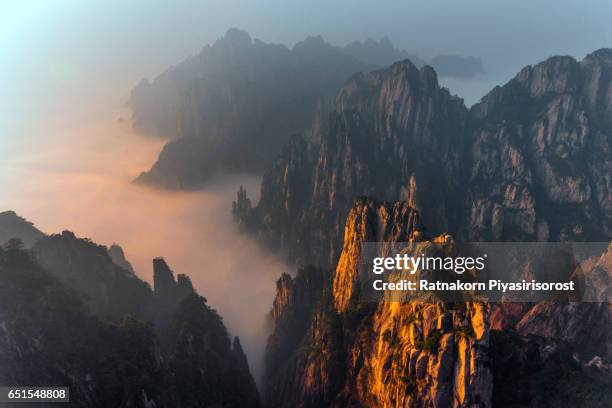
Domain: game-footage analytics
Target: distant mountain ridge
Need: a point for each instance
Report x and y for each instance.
(231, 107)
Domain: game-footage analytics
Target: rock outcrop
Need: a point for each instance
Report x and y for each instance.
(294, 305)
(557, 352)
(356, 353)
(540, 154)
(530, 162)
(393, 134)
(352, 350)
(369, 221)
(87, 268)
(69, 316)
(568, 321)
(118, 256)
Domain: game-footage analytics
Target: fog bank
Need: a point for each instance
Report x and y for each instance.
(79, 178)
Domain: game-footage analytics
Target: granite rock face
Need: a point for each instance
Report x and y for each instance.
(345, 350)
(530, 162)
(290, 318)
(369, 221)
(354, 353)
(585, 326)
(540, 160)
(392, 133)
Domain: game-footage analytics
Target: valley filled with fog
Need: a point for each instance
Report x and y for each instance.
(80, 179)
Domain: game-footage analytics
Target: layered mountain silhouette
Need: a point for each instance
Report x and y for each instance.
(231, 107)
(69, 315)
(388, 155)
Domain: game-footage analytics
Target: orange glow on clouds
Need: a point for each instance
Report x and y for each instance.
(80, 179)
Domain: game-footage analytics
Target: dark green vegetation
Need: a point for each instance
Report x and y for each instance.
(49, 335)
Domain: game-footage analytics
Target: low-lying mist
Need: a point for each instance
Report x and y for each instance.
(80, 178)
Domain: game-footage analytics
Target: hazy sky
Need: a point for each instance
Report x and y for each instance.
(57, 57)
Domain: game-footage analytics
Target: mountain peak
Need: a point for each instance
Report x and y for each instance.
(237, 37)
(601, 57)
(14, 226)
(118, 256)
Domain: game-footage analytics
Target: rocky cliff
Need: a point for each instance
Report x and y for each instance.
(394, 133)
(291, 315)
(355, 351)
(569, 321)
(540, 160)
(530, 162)
(71, 317)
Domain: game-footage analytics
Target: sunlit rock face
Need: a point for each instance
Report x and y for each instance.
(347, 350)
(369, 221)
(530, 162)
(352, 353)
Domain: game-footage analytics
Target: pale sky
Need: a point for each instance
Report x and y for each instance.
(62, 58)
